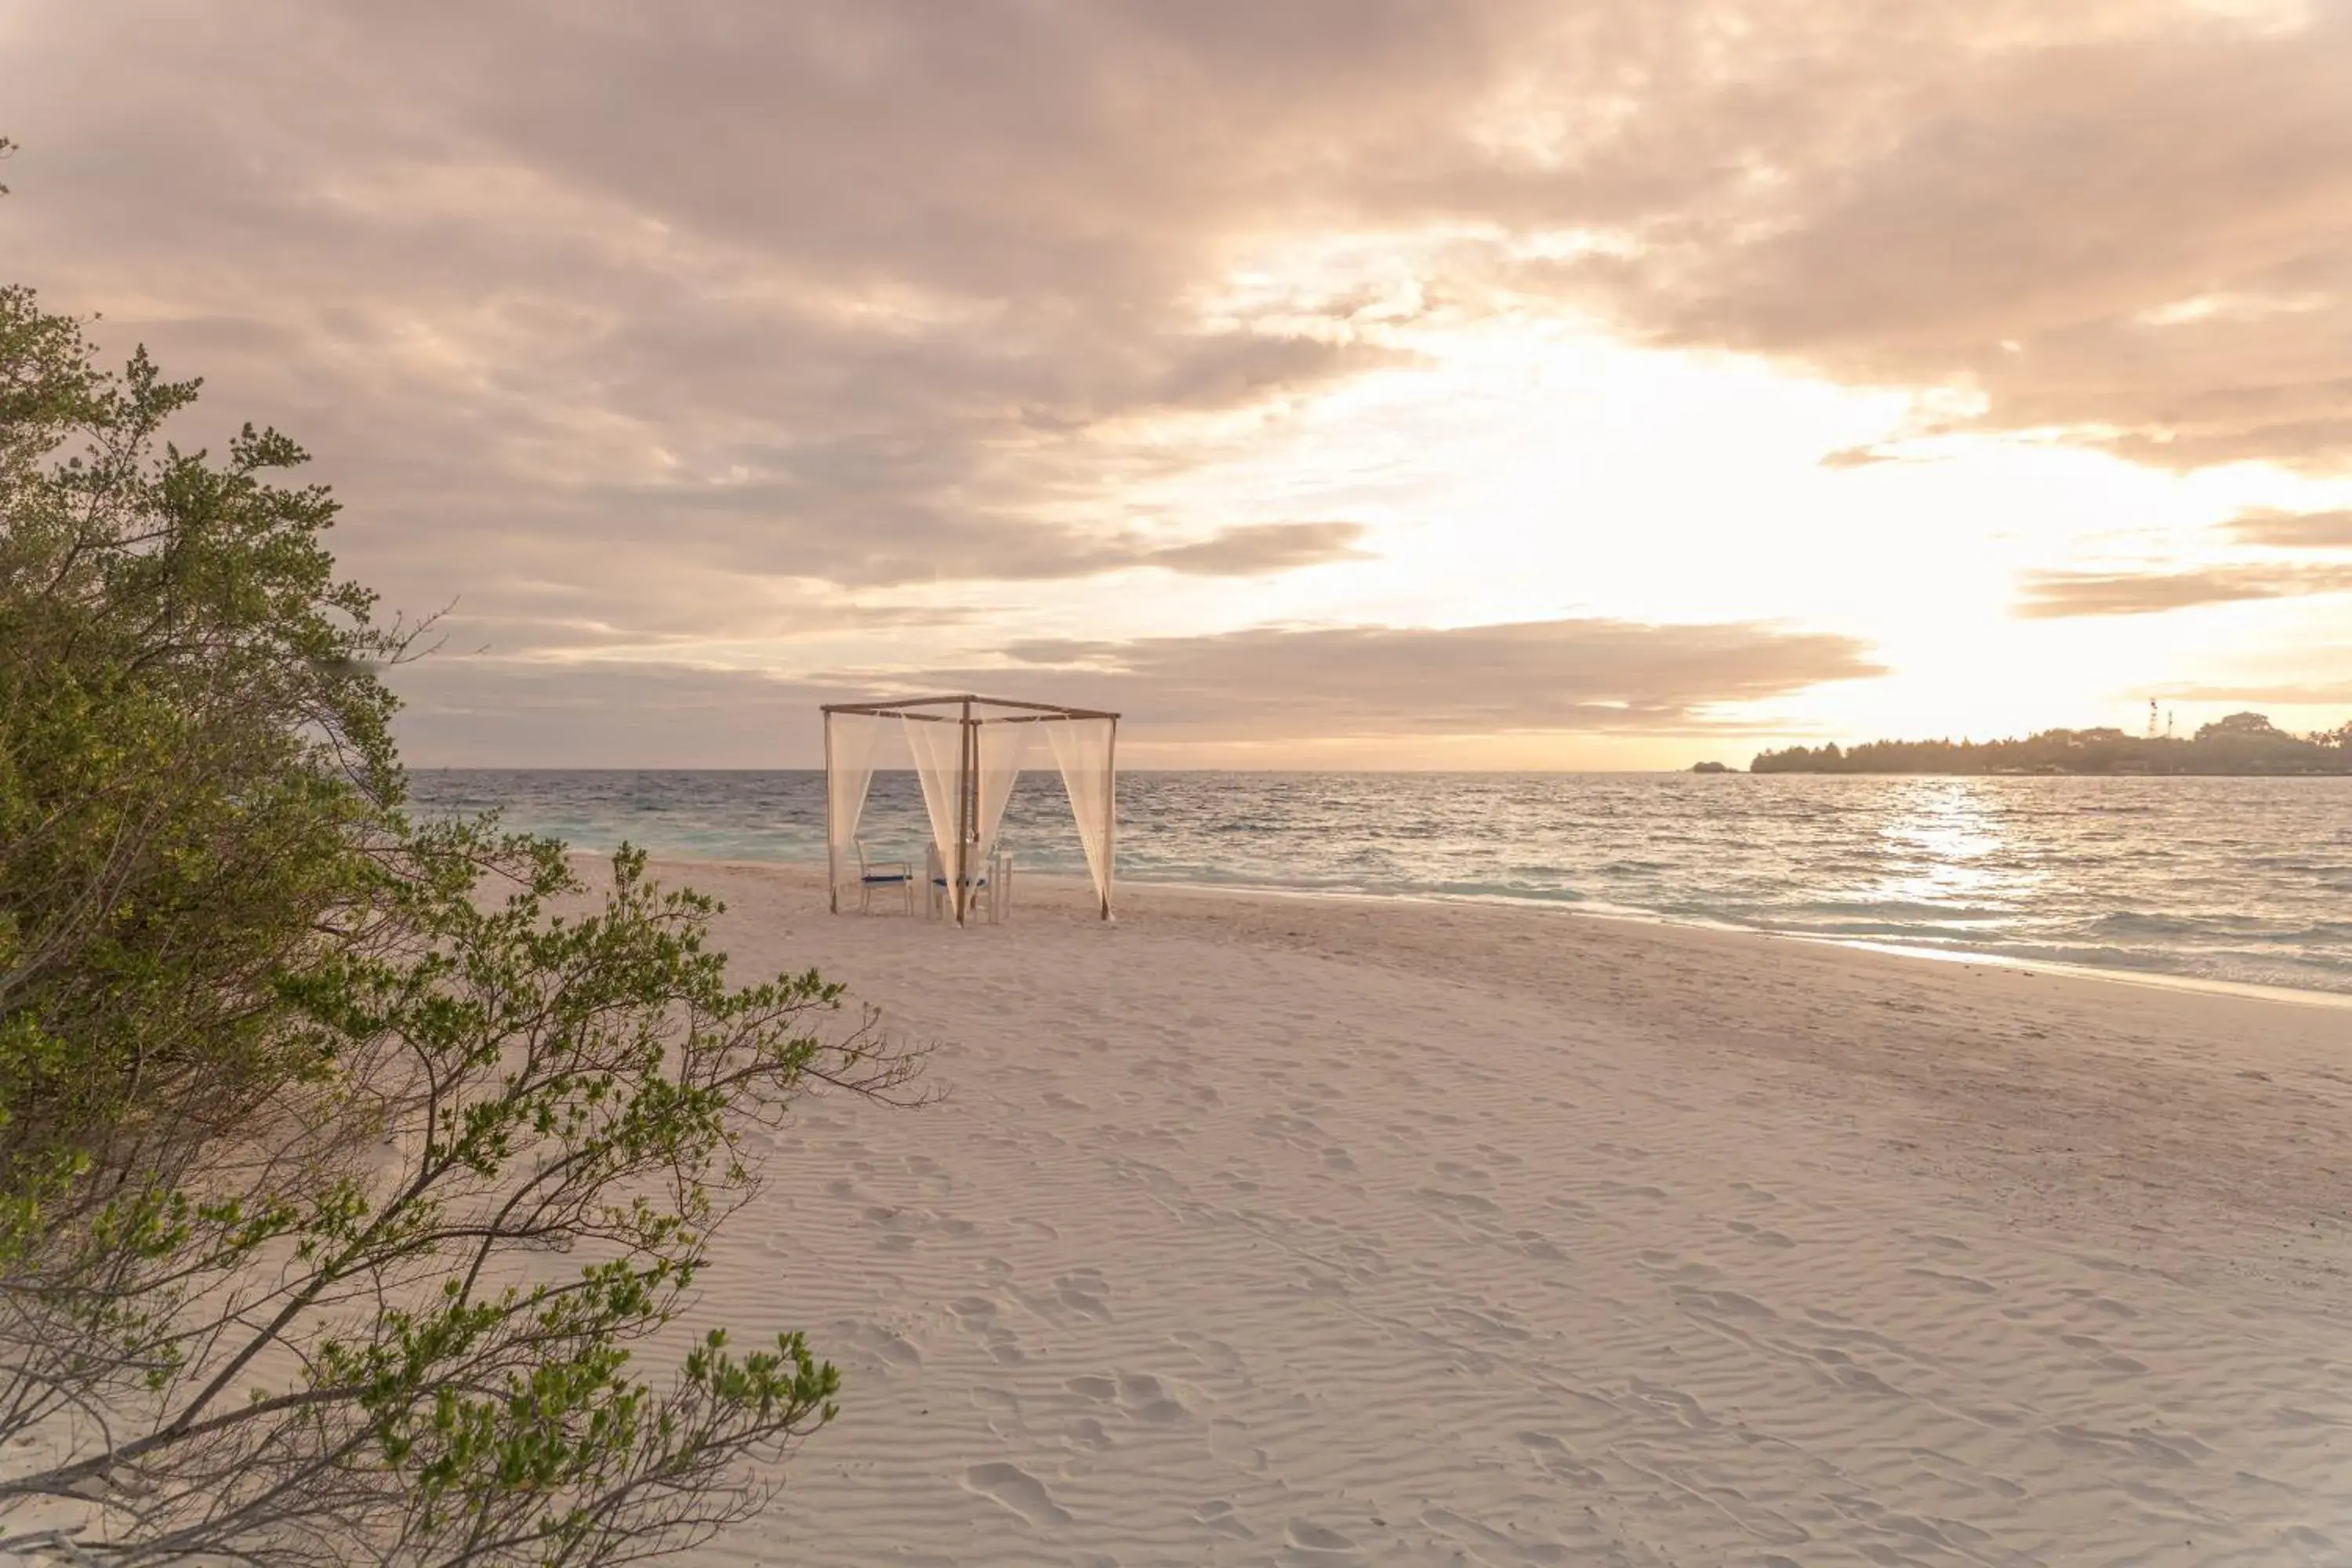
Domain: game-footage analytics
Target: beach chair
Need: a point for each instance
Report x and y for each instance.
(874, 874)
(988, 889)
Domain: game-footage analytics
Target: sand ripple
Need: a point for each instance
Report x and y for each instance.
(1235, 1254)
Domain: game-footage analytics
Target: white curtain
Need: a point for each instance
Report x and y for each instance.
(849, 768)
(939, 766)
(1003, 750)
(1082, 747)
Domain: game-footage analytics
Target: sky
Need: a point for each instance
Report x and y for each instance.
(1530, 384)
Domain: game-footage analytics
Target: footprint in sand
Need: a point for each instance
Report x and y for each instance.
(1307, 1536)
(1312, 1281)
(1723, 1304)
(1558, 1460)
(1455, 1526)
(1217, 1514)
(1533, 1244)
(1213, 1354)
(1229, 1443)
(1461, 1203)
(890, 1347)
(1678, 1404)
(1085, 1294)
(1001, 1410)
(1147, 1399)
(1492, 1325)
(1630, 1190)
(1968, 1282)
(1014, 1488)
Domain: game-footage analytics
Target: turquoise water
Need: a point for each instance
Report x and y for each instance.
(2243, 880)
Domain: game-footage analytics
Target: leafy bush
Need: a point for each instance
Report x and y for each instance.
(346, 1165)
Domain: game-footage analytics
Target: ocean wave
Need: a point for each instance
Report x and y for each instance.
(2243, 879)
(2133, 924)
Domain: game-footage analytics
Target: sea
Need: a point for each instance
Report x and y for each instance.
(2243, 881)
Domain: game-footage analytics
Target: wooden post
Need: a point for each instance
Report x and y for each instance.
(831, 868)
(964, 781)
(1110, 817)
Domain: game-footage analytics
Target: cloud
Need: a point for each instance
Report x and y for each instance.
(2293, 530)
(1036, 554)
(1000, 212)
(865, 296)
(2121, 223)
(877, 292)
(632, 326)
(1586, 677)
(1270, 547)
(2055, 595)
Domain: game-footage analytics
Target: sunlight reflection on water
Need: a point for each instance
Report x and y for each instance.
(2247, 880)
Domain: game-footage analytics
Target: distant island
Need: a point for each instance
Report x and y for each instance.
(2241, 743)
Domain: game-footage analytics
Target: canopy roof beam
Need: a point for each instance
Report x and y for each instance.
(1032, 712)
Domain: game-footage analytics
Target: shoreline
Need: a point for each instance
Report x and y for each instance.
(2155, 979)
(2159, 978)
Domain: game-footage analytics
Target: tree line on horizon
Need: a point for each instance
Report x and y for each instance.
(2241, 743)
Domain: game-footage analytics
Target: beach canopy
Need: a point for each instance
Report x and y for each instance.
(968, 751)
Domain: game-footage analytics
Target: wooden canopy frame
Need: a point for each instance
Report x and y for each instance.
(970, 711)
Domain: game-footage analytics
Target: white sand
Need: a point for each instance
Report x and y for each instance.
(1267, 1230)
